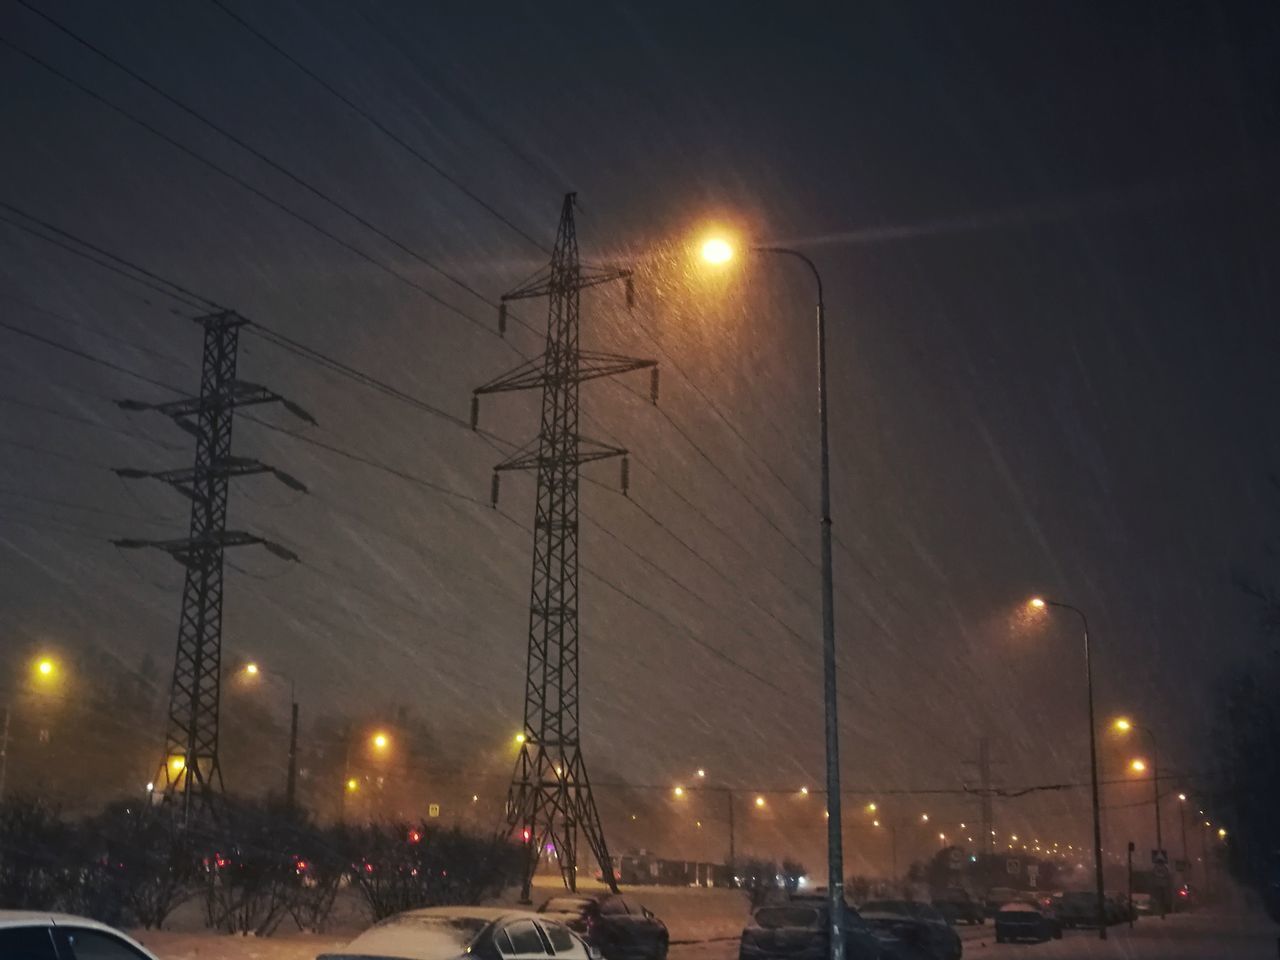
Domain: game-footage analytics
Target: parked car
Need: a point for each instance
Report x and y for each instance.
(917, 923)
(997, 897)
(1020, 920)
(1143, 903)
(798, 931)
(1079, 908)
(1119, 909)
(483, 933)
(958, 906)
(1184, 898)
(58, 936)
(619, 927)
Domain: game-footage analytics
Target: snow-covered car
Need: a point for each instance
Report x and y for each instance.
(1020, 920)
(619, 926)
(798, 931)
(1144, 903)
(449, 933)
(32, 935)
(958, 906)
(918, 924)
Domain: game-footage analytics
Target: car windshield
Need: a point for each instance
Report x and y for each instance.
(566, 905)
(558, 458)
(789, 917)
(903, 908)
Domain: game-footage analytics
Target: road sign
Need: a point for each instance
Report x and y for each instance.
(433, 810)
(1014, 867)
(1160, 858)
(1161, 870)
(1033, 871)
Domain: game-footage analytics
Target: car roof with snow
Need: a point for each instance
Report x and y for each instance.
(24, 918)
(1019, 906)
(431, 933)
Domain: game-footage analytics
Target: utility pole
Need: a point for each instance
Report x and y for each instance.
(291, 778)
(733, 843)
(190, 772)
(550, 797)
(1130, 881)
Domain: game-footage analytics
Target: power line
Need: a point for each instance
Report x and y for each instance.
(244, 184)
(148, 279)
(92, 330)
(85, 421)
(378, 125)
(248, 148)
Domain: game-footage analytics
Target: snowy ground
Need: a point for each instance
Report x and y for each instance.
(705, 924)
(690, 915)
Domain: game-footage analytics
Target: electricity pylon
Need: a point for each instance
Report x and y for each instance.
(190, 774)
(550, 798)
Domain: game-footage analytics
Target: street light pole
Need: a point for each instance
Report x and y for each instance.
(291, 778)
(1093, 768)
(1182, 822)
(835, 851)
(291, 775)
(733, 853)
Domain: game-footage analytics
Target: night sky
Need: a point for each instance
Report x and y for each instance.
(1048, 235)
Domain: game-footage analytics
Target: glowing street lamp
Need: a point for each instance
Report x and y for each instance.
(759, 802)
(701, 773)
(1041, 604)
(380, 742)
(1124, 725)
(718, 251)
(678, 791)
(1139, 766)
(352, 785)
(252, 671)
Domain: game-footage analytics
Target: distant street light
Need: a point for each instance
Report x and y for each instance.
(252, 671)
(1040, 603)
(759, 801)
(380, 741)
(678, 791)
(718, 250)
(1125, 725)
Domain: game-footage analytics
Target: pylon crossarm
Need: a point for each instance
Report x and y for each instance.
(593, 451)
(590, 276)
(594, 367)
(524, 377)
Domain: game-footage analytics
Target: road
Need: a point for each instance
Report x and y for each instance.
(1186, 937)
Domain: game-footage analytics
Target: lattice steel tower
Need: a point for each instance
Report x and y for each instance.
(550, 798)
(190, 773)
